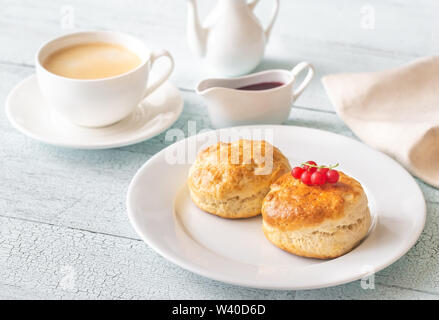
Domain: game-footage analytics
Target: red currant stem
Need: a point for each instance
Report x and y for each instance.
(318, 167)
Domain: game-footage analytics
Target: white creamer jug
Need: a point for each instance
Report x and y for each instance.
(230, 101)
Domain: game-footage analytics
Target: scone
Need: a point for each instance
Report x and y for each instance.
(231, 179)
(316, 221)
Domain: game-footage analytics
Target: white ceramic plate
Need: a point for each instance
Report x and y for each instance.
(28, 113)
(236, 251)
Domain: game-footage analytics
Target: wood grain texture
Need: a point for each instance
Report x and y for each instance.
(36, 258)
(63, 210)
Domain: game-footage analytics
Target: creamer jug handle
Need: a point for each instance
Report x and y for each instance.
(299, 68)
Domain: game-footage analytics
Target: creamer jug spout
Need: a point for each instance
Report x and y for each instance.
(197, 35)
(211, 87)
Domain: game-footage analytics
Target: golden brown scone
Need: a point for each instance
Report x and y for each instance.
(316, 221)
(231, 179)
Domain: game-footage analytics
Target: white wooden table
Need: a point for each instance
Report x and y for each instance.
(64, 231)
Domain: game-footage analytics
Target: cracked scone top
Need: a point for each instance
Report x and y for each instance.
(316, 221)
(231, 179)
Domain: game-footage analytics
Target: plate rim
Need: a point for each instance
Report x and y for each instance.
(97, 146)
(183, 263)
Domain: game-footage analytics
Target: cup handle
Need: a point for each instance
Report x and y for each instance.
(298, 69)
(157, 83)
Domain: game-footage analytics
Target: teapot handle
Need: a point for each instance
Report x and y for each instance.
(252, 5)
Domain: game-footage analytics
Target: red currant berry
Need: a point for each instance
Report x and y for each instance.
(332, 176)
(309, 168)
(323, 170)
(306, 178)
(297, 172)
(318, 178)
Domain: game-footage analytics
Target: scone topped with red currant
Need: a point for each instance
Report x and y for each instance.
(316, 211)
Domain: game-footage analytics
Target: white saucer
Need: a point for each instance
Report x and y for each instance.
(28, 113)
(236, 251)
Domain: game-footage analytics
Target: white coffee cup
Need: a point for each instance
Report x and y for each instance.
(99, 102)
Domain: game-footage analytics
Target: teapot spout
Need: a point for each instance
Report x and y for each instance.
(197, 35)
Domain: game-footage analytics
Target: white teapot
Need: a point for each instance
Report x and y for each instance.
(231, 41)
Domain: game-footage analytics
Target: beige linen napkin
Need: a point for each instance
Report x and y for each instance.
(395, 111)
